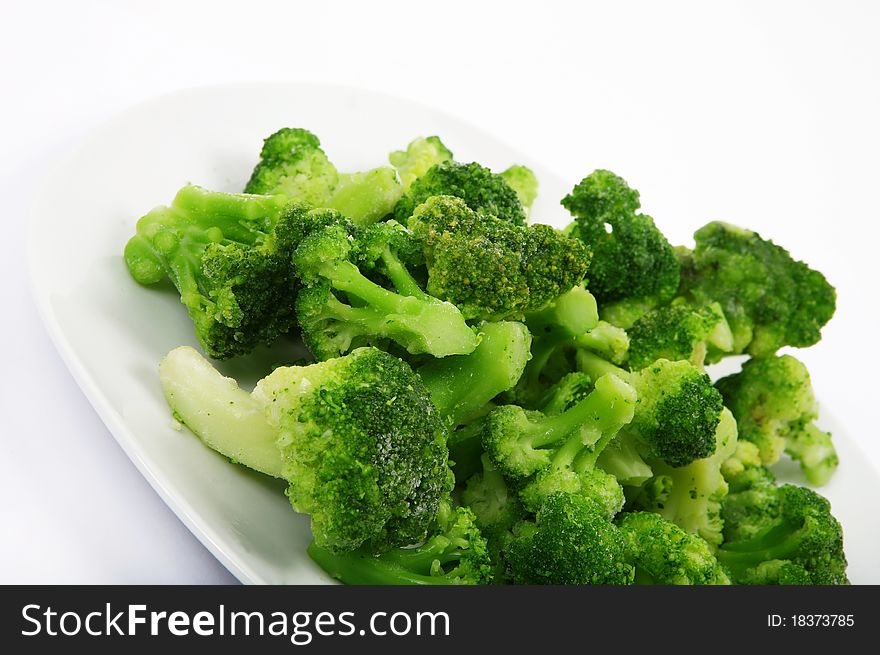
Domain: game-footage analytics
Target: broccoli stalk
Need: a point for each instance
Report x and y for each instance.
(418, 322)
(229, 257)
(545, 454)
(460, 386)
(523, 181)
(357, 439)
(454, 554)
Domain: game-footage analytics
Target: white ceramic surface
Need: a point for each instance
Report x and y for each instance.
(112, 332)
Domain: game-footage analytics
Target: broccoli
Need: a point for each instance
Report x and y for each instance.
(566, 393)
(455, 553)
(634, 268)
(229, 257)
(691, 496)
(571, 541)
(479, 188)
(773, 402)
(460, 386)
(490, 268)
(357, 439)
(420, 155)
(523, 181)
(663, 553)
(293, 164)
(545, 454)
(678, 409)
(606, 340)
(751, 503)
(325, 261)
(699, 335)
(497, 509)
(801, 544)
(769, 299)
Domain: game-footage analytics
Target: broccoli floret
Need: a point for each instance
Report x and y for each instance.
(566, 393)
(479, 188)
(490, 268)
(663, 553)
(634, 268)
(420, 155)
(462, 385)
(523, 181)
(455, 553)
(325, 263)
(802, 544)
(773, 402)
(292, 164)
(678, 409)
(699, 335)
(691, 496)
(571, 541)
(545, 454)
(229, 257)
(357, 439)
(497, 509)
(769, 299)
(751, 503)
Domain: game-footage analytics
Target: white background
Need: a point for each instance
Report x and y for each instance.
(775, 106)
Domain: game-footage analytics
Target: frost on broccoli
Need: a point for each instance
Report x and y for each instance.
(357, 439)
(228, 255)
(490, 268)
(770, 300)
(774, 405)
(483, 191)
(634, 268)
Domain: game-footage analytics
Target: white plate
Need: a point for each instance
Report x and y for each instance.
(112, 332)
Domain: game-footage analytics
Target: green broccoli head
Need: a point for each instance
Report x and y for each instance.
(801, 544)
(479, 188)
(420, 156)
(229, 257)
(571, 541)
(454, 553)
(663, 553)
(363, 448)
(677, 412)
(769, 299)
(752, 502)
(633, 263)
(341, 308)
(679, 332)
(292, 164)
(774, 405)
(691, 496)
(490, 268)
(523, 181)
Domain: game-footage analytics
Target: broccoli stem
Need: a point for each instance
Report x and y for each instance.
(594, 366)
(225, 417)
(419, 323)
(460, 386)
(366, 569)
(401, 278)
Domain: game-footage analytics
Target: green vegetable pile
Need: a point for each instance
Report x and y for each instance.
(492, 400)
